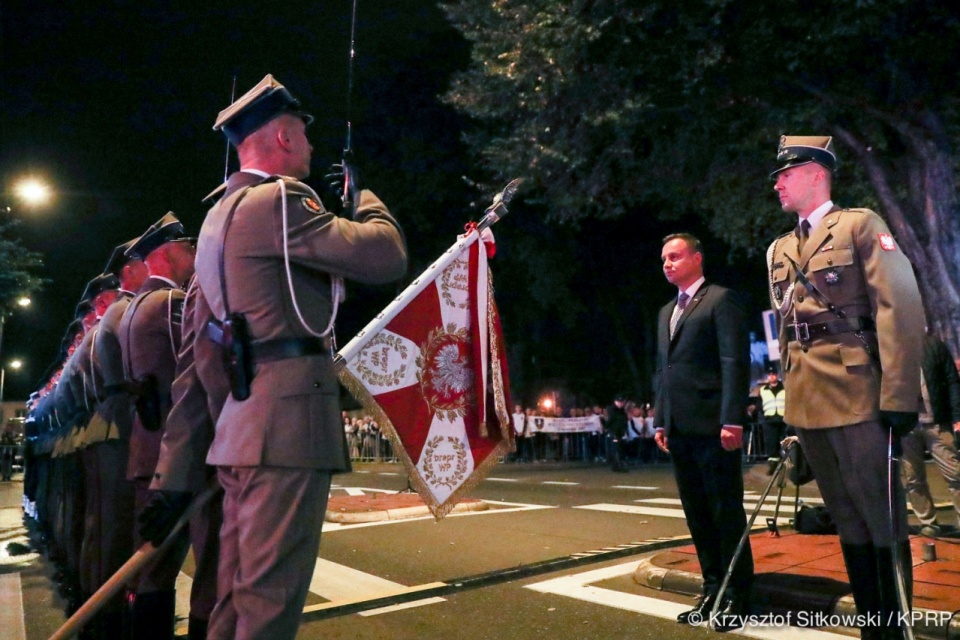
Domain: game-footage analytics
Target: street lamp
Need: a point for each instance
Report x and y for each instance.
(33, 191)
(13, 364)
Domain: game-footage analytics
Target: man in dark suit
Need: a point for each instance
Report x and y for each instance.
(703, 358)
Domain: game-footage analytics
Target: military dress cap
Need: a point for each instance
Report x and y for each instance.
(799, 150)
(166, 229)
(103, 282)
(119, 258)
(83, 308)
(75, 327)
(257, 107)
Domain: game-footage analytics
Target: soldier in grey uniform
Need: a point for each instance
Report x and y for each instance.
(150, 336)
(271, 259)
(115, 492)
(200, 390)
(84, 382)
(849, 313)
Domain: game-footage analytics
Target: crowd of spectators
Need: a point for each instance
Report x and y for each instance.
(368, 443)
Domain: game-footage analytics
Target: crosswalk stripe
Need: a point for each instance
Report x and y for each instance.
(183, 585)
(11, 607)
(333, 581)
(629, 486)
(748, 501)
(658, 511)
(558, 482)
(581, 587)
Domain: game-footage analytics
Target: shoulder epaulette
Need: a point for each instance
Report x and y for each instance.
(215, 194)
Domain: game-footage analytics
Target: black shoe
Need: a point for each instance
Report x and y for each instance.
(731, 614)
(700, 612)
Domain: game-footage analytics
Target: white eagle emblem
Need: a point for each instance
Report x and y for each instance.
(450, 374)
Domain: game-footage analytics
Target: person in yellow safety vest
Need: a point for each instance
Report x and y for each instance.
(773, 398)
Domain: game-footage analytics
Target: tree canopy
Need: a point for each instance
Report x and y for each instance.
(18, 270)
(660, 109)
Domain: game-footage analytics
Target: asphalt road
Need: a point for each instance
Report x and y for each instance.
(552, 557)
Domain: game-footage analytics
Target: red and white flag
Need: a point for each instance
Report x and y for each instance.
(434, 376)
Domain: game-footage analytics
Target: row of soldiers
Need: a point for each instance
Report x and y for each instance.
(208, 366)
(95, 431)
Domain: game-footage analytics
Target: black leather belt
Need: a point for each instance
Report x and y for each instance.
(806, 332)
(286, 348)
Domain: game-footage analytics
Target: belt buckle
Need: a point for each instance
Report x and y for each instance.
(801, 331)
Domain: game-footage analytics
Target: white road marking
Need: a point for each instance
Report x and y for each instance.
(748, 501)
(6, 559)
(558, 482)
(655, 511)
(578, 586)
(492, 479)
(333, 581)
(511, 507)
(183, 585)
(401, 607)
(629, 486)
(11, 607)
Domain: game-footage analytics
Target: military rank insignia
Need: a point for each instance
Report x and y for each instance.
(311, 204)
(886, 242)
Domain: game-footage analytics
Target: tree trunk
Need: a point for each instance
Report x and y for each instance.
(926, 220)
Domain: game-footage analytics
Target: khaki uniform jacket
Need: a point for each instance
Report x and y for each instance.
(150, 340)
(833, 380)
(292, 417)
(115, 406)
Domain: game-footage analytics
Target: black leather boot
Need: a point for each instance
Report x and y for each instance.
(197, 628)
(861, 561)
(701, 612)
(893, 618)
(153, 615)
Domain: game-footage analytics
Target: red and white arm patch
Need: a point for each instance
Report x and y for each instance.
(886, 242)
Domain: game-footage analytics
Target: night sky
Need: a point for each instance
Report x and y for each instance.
(114, 106)
(114, 103)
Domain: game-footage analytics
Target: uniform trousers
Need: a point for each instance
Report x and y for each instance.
(939, 440)
(269, 541)
(850, 464)
(160, 573)
(710, 481)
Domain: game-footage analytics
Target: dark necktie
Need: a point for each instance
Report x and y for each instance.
(678, 311)
(803, 233)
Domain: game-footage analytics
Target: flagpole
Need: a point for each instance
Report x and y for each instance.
(492, 215)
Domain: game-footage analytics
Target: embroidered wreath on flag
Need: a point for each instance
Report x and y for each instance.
(436, 464)
(380, 358)
(444, 372)
(456, 277)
